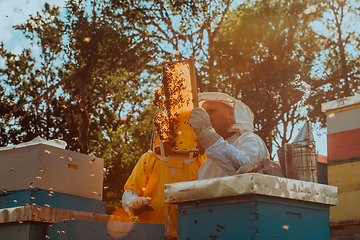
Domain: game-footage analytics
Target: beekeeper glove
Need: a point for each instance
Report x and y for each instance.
(134, 204)
(200, 122)
(139, 205)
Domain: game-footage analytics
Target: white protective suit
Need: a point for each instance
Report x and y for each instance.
(226, 156)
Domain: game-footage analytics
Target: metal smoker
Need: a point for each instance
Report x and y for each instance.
(298, 159)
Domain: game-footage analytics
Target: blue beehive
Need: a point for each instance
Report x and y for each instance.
(252, 206)
(49, 192)
(96, 230)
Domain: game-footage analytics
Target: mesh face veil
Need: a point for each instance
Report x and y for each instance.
(243, 116)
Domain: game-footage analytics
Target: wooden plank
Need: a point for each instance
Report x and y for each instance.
(340, 104)
(193, 81)
(348, 208)
(345, 176)
(343, 161)
(345, 233)
(194, 91)
(343, 145)
(343, 121)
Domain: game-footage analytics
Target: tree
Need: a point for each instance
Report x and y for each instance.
(121, 150)
(339, 59)
(90, 66)
(181, 28)
(264, 53)
(92, 80)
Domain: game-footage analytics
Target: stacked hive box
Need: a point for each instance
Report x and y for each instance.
(252, 206)
(50, 192)
(45, 175)
(343, 146)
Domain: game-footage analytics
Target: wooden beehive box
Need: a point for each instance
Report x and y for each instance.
(252, 206)
(96, 230)
(50, 168)
(343, 145)
(34, 223)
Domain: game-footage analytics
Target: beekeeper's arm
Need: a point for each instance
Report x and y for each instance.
(132, 200)
(225, 155)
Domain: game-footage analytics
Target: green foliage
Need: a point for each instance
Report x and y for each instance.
(90, 86)
(339, 59)
(92, 61)
(121, 149)
(262, 51)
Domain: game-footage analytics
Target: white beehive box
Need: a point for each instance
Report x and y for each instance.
(51, 168)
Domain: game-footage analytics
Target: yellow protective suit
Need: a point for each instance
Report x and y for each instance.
(148, 178)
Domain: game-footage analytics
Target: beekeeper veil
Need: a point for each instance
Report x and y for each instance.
(243, 116)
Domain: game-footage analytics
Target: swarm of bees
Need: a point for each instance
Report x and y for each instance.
(176, 97)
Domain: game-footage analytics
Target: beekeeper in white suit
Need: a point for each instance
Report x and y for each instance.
(224, 126)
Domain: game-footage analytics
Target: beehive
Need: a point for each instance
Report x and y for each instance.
(95, 230)
(33, 223)
(343, 147)
(252, 206)
(51, 193)
(47, 167)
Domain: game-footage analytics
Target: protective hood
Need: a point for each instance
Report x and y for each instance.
(244, 117)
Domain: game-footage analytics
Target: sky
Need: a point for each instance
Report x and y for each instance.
(13, 12)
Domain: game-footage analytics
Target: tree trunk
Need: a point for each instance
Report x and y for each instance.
(344, 73)
(84, 124)
(212, 83)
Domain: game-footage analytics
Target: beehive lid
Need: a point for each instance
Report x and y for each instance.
(250, 183)
(36, 141)
(342, 104)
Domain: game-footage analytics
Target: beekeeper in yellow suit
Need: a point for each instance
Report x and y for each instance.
(224, 126)
(144, 189)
